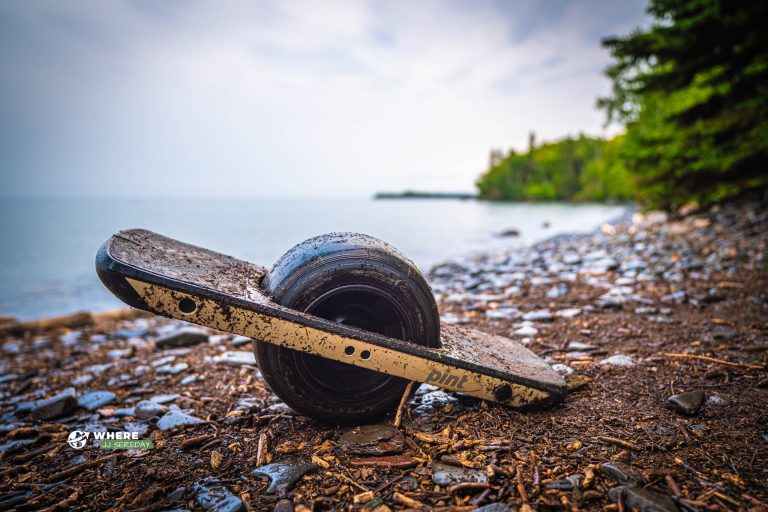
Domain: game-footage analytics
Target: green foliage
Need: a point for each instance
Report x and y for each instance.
(582, 169)
(693, 93)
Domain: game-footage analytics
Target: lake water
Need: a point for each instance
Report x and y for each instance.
(47, 246)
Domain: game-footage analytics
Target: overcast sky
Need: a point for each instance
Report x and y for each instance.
(289, 98)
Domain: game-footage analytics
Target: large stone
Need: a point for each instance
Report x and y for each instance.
(284, 475)
(618, 360)
(236, 358)
(95, 399)
(149, 409)
(642, 500)
(239, 341)
(184, 337)
(622, 473)
(212, 495)
(164, 399)
(687, 403)
(372, 440)
(56, 406)
(14, 445)
(540, 315)
(175, 418)
(172, 369)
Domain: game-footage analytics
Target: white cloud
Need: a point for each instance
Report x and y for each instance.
(289, 98)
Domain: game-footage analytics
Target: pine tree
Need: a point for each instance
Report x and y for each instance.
(693, 92)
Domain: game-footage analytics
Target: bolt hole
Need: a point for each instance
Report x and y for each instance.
(365, 354)
(187, 306)
(349, 350)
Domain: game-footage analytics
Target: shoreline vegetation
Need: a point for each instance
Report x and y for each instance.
(581, 169)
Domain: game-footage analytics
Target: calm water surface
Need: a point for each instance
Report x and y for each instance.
(47, 246)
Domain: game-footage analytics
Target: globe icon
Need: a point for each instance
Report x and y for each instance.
(77, 439)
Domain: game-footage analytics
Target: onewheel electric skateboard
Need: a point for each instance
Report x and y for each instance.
(340, 323)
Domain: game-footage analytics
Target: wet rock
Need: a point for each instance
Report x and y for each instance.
(284, 505)
(15, 500)
(678, 297)
(540, 315)
(8, 377)
(176, 495)
(212, 495)
(120, 353)
(620, 360)
(25, 407)
(82, 380)
(56, 406)
(77, 459)
(189, 379)
(493, 507)
(444, 474)
(388, 461)
(659, 319)
(148, 409)
(163, 361)
(510, 313)
(239, 341)
(571, 259)
(720, 334)
(184, 337)
(372, 440)
(284, 475)
(524, 331)
(172, 369)
(278, 409)
(136, 332)
(560, 485)
(164, 399)
(557, 291)
(578, 346)
(453, 318)
(236, 358)
(9, 427)
(622, 473)
(687, 403)
(12, 347)
(603, 265)
(643, 500)
(175, 418)
(139, 427)
(95, 399)
(12, 446)
(610, 302)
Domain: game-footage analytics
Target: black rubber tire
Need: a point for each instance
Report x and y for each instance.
(358, 280)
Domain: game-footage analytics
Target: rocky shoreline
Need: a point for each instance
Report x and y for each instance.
(660, 327)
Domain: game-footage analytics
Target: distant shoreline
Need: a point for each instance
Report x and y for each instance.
(411, 194)
(465, 196)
